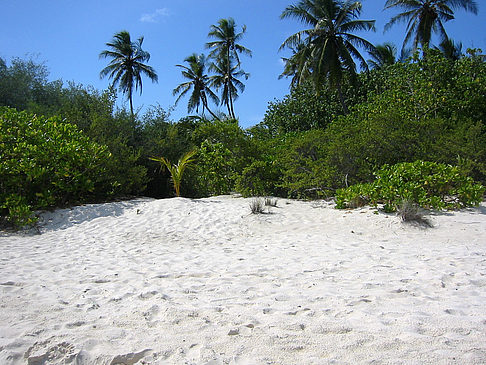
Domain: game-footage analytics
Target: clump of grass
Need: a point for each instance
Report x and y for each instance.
(357, 202)
(269, 202)
(409, 212)
(257, 206)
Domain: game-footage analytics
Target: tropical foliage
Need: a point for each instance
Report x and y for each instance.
(385, 55)
(310, 144)
(450, 49)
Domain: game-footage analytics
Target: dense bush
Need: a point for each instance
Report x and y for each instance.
(224, 151)
(45, 163)
(430, 109)
(429, 185)
(304, 108)
(22, 82)
(260, 178)
(215, 172)
(305, 173)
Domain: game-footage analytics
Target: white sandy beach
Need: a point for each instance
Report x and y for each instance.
(181, 281)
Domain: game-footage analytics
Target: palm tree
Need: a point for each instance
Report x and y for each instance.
(226, 37)
(425, 17)
(326, 49)
(127, 64)
(385, 55)
(226, 78)
(450, 49)
(198, 82)
(298, 66)
(224, 52)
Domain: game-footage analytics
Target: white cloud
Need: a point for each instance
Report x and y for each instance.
(155, 16)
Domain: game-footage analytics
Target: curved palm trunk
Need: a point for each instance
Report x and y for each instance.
(228, 100)
(228, 75)
(131, 103)
(232, 112)
(206, 106)
(210, 112)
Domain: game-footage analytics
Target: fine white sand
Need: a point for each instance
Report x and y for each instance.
(181, 281)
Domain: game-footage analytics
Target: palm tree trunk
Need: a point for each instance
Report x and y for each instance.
(341, 98)
(229, 108)
(232, 107)
(228, 100)
(206, 106)
(131, 103)
(214, 115)
(228, 75)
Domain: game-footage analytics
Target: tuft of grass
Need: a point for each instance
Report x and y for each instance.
(257, 206)
(269, 202)
(409, 212)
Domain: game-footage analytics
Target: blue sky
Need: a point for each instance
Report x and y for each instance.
(68, 36)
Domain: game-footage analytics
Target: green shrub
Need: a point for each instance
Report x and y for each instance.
(19, 213)
(355, 196)
(215, 172)
(305, 173)
(44, 163)
(429, 185)
(225, 150)
(258, 179)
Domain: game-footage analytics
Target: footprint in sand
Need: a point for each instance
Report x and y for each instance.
(46, 353)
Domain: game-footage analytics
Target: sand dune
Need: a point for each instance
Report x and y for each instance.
(181, 281)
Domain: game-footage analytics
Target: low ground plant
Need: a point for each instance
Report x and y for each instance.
(257, 206)
(269, 202)
(177, 170)
(429, 185)
(409, 212)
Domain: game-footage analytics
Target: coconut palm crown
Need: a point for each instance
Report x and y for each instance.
(127, 65)
(386, 54)
(425, 17)
(327, 49)
(198, 81)
(226, 38)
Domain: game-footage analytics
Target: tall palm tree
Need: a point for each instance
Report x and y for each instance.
(225, 78)
(225, 52)
(386, 54)
(425, 17)
(198, 82)
(127, 64)
(226, 38)
(328, 47)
